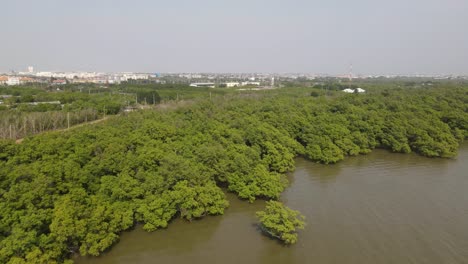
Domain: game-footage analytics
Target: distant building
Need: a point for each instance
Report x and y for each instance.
(99, 80)
(360, 90)
(232, 84)
(13, 81)
(44, 74)
(210, 85)
(250, 83)
(3, 80)
(59, 82)
(80, 80)
(134, 76)
(357, 90)
(24, 80)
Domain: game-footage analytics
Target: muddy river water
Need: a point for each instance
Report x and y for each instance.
(377, 208)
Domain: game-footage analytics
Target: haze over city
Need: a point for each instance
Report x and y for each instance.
(377, 37)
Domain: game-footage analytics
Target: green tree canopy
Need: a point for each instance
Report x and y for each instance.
(281, 222)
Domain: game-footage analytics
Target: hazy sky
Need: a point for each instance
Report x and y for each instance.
(376, 36)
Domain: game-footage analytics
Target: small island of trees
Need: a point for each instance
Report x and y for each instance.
(281, 222)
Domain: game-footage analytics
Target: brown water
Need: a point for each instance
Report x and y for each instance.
(378, 208)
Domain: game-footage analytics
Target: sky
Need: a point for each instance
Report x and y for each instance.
(280, 36)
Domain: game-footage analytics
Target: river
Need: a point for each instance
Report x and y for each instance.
(378, 208)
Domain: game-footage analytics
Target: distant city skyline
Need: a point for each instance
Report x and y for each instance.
(319, 37)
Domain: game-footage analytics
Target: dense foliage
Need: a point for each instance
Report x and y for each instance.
(281, 222)
(75, 191)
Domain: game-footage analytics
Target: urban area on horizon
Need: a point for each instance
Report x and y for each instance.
(195, 79)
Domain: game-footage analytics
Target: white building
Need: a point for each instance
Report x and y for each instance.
(190, 76)
(13, 81)
(44, 74)
(211, 85)
(134, 76)
(251, 83)
(232, 84)
(360, 90)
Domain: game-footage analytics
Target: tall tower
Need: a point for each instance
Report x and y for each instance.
(272, 81)
(350, 76)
